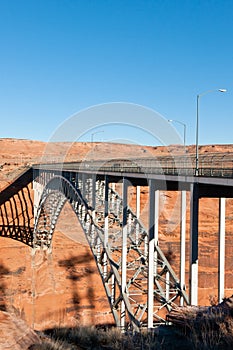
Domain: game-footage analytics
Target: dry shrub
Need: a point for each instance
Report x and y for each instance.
(53, 345)
(206, 327)
(94, 338)
(193, 328)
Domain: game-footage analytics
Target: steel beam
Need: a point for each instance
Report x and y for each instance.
(138, 201)
(153, 240)
(106, 185)
(106, 212)
(194, 206)
(124, 249)
(138, 210)
(83, 177)
(38, 190)
(93, 206)
(221, 250)
(182, 243)
(76, 180)
(93, 187)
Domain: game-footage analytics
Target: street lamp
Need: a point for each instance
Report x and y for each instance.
(184, 126)
(92, 135)
(197, 126)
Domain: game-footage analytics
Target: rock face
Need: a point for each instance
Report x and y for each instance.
(15, 334)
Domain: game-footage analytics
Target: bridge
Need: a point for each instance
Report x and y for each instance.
(140, 282)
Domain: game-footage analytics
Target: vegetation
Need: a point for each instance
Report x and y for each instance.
(94, 338)
(163, 338)
(206, 327)
(193, 328)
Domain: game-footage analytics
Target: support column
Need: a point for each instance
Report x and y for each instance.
(105, 221)
(138, 205)
(38, 190)
(138, 202)
(88, 190)
(83, 186)
(194, 204)
(76, 181)
(153, 241)
(71, 176)
(221, 250)
(124, 248)
(182, 243)
(93, 205)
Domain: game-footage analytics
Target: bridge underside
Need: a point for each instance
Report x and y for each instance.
(16, 209)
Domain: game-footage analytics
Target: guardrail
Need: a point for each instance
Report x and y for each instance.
(211, 165)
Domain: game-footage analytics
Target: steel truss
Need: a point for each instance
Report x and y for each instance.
(119, 243)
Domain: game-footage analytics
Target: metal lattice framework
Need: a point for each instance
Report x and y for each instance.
(120, 248)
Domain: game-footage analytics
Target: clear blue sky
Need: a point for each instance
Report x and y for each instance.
(61, 56)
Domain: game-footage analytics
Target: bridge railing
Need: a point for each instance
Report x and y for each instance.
(210, 165)
(215, 165)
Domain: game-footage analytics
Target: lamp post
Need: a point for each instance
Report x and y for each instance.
(92, 135)
(197, 126)
(184, 126)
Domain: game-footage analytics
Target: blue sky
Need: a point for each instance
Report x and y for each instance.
(61, 56)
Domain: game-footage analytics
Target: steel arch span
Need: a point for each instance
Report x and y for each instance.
(119, 244)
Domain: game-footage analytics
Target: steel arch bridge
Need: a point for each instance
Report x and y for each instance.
(140, 284)
(119, 243)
